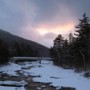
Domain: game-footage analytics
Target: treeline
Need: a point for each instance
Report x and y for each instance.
(74, 52)
(4, 52)
(15, 49)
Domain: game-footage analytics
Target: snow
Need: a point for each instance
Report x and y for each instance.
(10, 69)
(7, 88)
(46, 72)
(22, 83)
(11, 88)
(57, 76)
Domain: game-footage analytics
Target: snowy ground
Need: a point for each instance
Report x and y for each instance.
(48, 73)
(11, 88)
(10, 69)
(58, 77)
(21, 83)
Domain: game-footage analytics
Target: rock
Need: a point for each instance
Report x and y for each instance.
(87, 74)
(67, 88)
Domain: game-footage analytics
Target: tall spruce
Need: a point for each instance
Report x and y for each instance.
(83, 41)
(58, 43)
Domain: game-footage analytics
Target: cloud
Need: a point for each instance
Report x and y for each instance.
(10, 17)
(15, 14)
(56, 28)
(41, 20)
(30, 33)
(50, 35)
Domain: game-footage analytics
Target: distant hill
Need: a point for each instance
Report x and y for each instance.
(10, 39)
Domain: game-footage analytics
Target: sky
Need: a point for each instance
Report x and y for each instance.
(42, 20)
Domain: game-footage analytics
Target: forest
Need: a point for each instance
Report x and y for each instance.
(14, 50)
(73, 52)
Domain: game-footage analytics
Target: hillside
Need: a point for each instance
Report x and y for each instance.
(10, 39)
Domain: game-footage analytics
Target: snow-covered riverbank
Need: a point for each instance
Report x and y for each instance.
(49, 73)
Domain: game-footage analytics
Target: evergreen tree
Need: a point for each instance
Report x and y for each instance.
(4, 52)
(83, 40)
(75, 52)
(57, 49)
(65, 53)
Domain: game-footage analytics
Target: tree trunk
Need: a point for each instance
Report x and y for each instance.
(84, 62)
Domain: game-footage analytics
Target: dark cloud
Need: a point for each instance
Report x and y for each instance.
(52, 11)
(47, 9)
(10, 17)
(79, 6)
(14, 14)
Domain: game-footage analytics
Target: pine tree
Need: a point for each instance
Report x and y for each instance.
(75, 52)
(58, 43)
(83, 41)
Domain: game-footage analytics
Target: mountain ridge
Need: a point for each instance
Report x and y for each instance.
(10, 39)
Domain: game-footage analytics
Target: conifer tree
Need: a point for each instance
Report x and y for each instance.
(83, 41)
